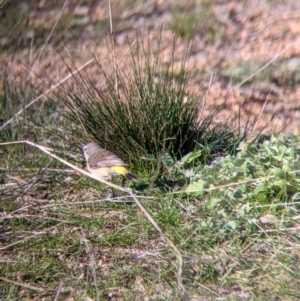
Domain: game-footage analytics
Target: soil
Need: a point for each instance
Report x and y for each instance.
(245, 54)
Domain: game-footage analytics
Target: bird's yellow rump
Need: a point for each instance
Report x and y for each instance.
(103, 163)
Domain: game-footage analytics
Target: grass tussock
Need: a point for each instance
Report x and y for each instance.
(144, 110)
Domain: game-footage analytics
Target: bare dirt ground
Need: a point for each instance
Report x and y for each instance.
(231, 41)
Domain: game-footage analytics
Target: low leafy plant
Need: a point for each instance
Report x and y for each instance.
(264, 173)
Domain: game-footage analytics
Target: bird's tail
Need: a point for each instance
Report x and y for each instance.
(130, 177)
(121, 170)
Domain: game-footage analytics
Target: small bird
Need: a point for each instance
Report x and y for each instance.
(104, 164)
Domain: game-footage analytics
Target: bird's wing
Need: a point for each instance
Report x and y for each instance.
(108, 160)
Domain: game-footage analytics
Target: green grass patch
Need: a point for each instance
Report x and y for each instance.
(237, 234)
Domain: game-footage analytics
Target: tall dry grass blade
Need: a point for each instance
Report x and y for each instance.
(50, 34)
(45, 93)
